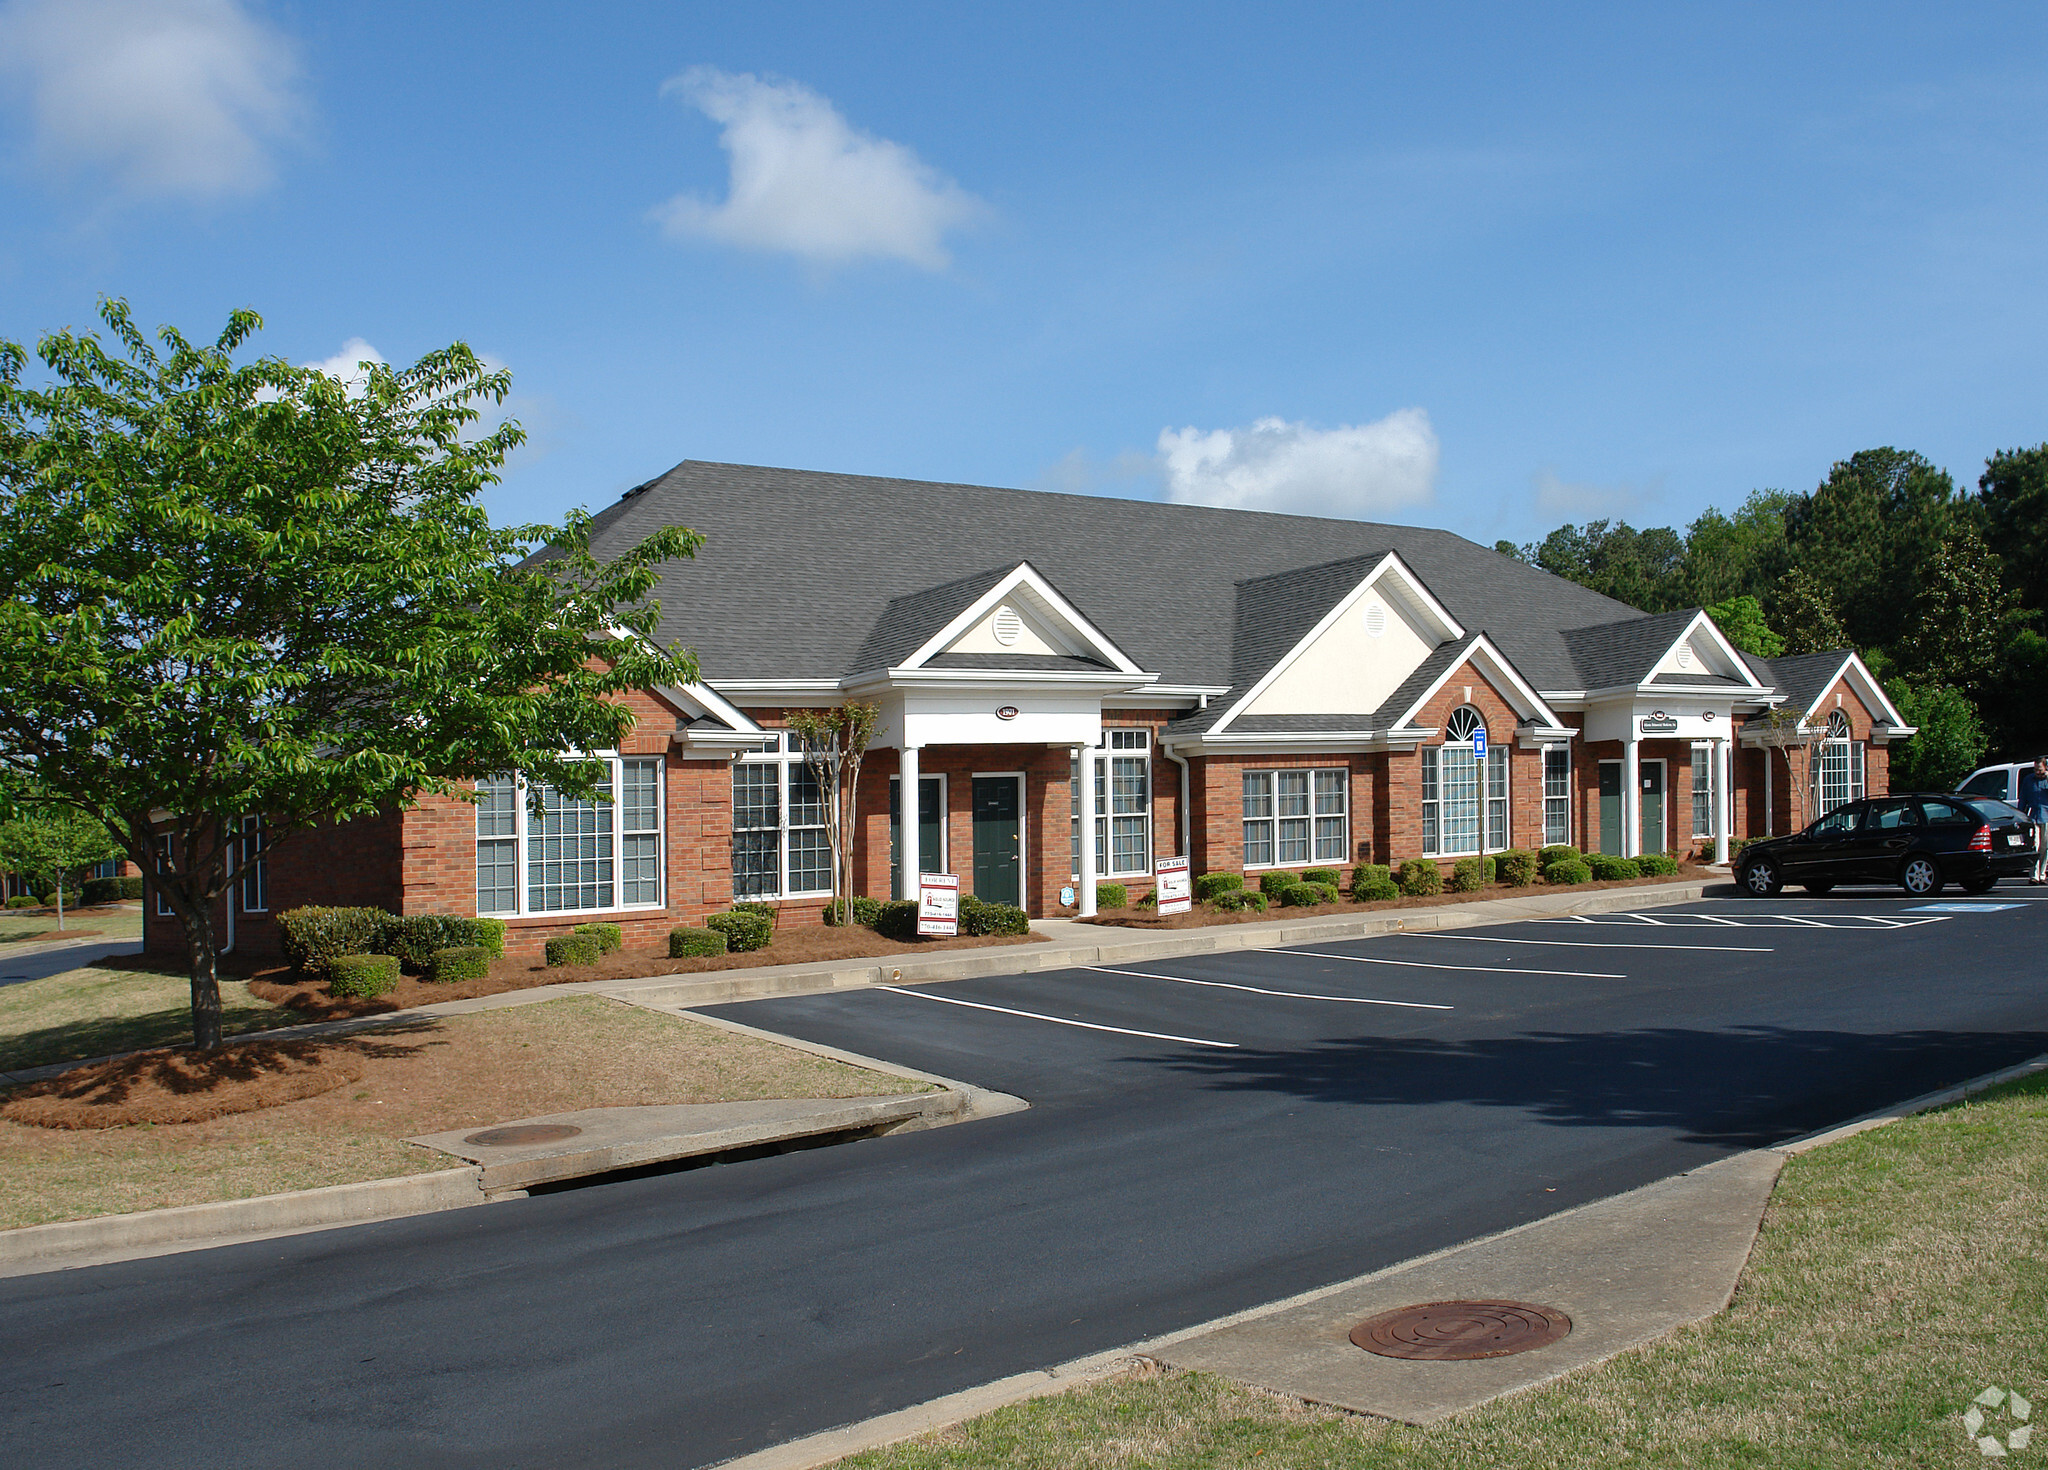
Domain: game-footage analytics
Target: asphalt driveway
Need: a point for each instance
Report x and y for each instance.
(1206, 1134)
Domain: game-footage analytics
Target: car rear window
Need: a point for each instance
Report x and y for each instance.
(1986, 783)
(1994, 811)
(1941, 814)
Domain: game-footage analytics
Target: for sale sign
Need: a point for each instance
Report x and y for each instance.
(938, 904)
(1176, 886)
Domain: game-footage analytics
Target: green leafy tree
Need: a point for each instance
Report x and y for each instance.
(1806, 611)
(835, 741)
(1644, 569)
(2013, 491)
(241, 588)
(46, 840)
(1961, 619)
(1949, 742)
(1741, 620)
(1739, 555)
(1865, 535)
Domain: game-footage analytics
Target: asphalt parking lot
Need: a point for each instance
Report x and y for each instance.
(1205, 1134)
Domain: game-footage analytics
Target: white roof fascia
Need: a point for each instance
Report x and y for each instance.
(1412, 590)
(1535, 737)
(722, 744)
(1022, 575)
(806, 688)
(708, 702)
(1481, 647)
(1734, 654)
(1867, 686)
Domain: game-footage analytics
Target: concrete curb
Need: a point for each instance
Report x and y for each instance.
(812, 1452)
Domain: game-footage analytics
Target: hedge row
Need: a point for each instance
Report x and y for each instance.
(314, 937)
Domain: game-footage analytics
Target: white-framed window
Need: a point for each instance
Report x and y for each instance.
(1123, 806)
(1557, 795)
(255, 867)
(1841, 765)
(575, 857)
(1292, 818)
(1458, 818)
(780, 848)
(1703, 791)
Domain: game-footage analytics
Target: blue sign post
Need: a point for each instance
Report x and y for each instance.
(1479, 742)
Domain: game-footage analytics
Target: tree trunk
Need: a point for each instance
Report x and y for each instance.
(205, 979)
(60, 900)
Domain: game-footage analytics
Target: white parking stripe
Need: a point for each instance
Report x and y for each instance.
(1358, 959)
(1599, 943)
(1057, 1020)
(1356, 1000)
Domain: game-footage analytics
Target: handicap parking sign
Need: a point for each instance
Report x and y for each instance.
(1479, 742)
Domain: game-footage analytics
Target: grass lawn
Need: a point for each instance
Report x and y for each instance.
(92, 1012)
(1899, 1273)
(420, 1076)
(34, 926)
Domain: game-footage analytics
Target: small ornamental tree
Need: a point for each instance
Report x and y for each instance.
(835, 741)
(56, 840)
(237, 588)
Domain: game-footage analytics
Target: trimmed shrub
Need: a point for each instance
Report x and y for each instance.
(743, 930)
(1301, 896)
(977, 917)
(609, 939)
(864, 911)
(49, 900)
(415, 937)
(1331, 876)
(1376, 890)
(1209, 885)
(1149, 899)
(1557, 852)
(1366, 874)
(1517, 869)
(1657, 865)
(572, 949)
(458, 962)
(362, 974)
(1236, 900)
(490, 936)
(1468, 875)
(685, 943)
(1489, 865)
(1329, 891)
(112, 890)
(1112, 896)
(1568, 870)
(1420, 878)
(897, 919)
(1275, 884)
(1609, 869)
(756, 906)
(21, 901)
(313, 935)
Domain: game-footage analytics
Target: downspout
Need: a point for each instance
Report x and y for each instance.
(1186, 823)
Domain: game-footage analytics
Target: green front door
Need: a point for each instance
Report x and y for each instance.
(1610, 807)
(1653, 807)
(998, 841)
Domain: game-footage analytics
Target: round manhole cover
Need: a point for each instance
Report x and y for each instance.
(1440, 1332)
(523, 1133)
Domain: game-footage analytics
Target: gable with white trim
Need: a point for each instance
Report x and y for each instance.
(1017, 626)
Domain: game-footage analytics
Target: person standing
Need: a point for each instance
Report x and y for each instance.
(2034, 802)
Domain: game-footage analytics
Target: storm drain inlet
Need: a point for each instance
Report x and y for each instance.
(1454, 1332)
(517, 1135)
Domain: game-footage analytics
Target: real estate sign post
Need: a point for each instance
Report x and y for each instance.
(938, 904)
(1176, 886)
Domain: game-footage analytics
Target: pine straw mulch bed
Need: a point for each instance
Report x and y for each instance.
(794, 946)
(180, 1085)
(1201, 918)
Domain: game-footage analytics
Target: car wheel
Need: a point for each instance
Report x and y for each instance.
(1920, 875)
(1979, 885)
(1817, 889)
(1761, 878)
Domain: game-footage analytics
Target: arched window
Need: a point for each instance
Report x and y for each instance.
(1464, 795)
(1841, 764)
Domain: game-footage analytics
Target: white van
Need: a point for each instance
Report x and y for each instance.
(2001, 783)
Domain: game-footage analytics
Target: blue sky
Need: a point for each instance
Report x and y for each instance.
(1479, 267)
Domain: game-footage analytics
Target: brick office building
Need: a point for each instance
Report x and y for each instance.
(1254, 690)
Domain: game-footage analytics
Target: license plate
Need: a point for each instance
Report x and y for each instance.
(2013, 839)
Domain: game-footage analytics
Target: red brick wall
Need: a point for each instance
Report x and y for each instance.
(1403, 839)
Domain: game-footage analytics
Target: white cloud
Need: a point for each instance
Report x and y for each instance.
(805, 182)
(171, 97)
(1353, 471)
(1580, 501)
(349, 363)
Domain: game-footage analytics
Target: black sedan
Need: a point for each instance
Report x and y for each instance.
(1919, 841)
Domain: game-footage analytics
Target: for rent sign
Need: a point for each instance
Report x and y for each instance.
(938, 904)
(1176, 887)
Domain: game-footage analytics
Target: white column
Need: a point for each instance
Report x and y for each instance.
(1085, 768)
(906, 822)
(1631, 797)
(1724, 797)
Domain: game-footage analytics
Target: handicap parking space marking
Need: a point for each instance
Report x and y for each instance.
(1853, 923)
(1959, 908)
(1359, 959)
(1595, 943)
(1356, 1000)
(1057, 1020)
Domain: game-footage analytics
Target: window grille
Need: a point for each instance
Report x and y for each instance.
(1296, 817)
(578, 856)
(1557, 795)
(1453, 805)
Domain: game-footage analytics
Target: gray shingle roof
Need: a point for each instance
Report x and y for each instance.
(808, 575)
(1696, 681)
(1624, 652)
(1032, 663)
(1803, 677)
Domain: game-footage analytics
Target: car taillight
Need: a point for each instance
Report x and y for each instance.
(1980, 840)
